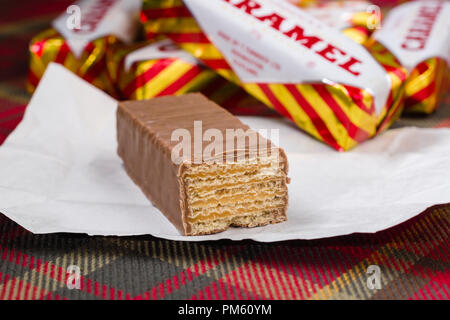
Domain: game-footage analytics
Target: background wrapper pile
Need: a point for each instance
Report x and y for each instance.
(338, 115)
(153, 77)
(49, 46)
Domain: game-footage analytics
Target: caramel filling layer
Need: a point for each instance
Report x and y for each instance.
(217, 192)
(242, 211)
(234, 199)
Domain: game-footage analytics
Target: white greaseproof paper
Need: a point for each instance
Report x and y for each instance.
(59, 172)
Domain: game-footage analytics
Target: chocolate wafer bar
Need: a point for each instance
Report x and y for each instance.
(201, 166)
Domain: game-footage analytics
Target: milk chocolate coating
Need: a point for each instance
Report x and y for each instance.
(144, 131)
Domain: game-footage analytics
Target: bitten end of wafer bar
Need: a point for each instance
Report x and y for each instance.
(200, 193)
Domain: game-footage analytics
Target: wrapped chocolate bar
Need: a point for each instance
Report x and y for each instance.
(157, 69)
(327, 84)
(205, 191)
(147, 70)
(80, 40)
(418, 34)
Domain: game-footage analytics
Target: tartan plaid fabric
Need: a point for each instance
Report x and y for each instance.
(413, 257)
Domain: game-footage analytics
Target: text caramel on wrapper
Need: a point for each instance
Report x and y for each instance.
(418, 34)
(323, 81)
(239, 183)
(160, 17)
(159, 68)
(82, 49)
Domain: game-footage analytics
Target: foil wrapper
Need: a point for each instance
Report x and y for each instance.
(417, 33)
(80, 40)
(50, 46)
(427, 86)
(352, 18)
(340, 113)
(160, 17)
(159, 68)
(152, 75)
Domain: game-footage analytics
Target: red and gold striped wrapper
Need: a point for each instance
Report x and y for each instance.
(146, 79)
(171, 16)
(426, 86)
(149, 78)
(339, 115)
(417, 33)
(49, 46)
(397, 74)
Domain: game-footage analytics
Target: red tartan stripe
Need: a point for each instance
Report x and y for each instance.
(288, 269)
(181, 81)
(436, 279)
(275, 274)
(276, 104)
(216, 291)
(172, 12)
(421, 95)
(53, 271)
(185, 276)
(321, 127)
(354, 131)
(142, 79)
(25, 289)
(302, 273)
(217, 64)
(4, 295)
(195, 37)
